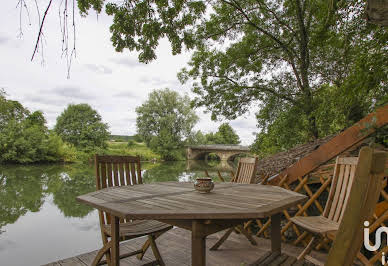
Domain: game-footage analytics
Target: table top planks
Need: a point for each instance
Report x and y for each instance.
(179, 200)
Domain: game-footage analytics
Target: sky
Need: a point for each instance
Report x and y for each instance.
(112, 83)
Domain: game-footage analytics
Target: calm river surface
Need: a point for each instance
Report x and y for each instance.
(40, 220)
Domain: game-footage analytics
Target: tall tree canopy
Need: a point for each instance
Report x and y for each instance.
(82, 126)
(164, 121)
(24, 136)
(224, 135)
(310, 67)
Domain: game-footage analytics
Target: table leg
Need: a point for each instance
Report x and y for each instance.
(276, 239)
(198, 244)
(115, 252)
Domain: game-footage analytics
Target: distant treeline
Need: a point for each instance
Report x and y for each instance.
(79, 132)
(125, 138)
(121, 138)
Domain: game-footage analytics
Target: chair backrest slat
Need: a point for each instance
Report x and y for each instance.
(343, 177)
(352, 174)
(115, 175)
(103, 176)
(133, 174)
(246, 171)
(116, 171)
(121, 171)
(127, 173)
(139, 178)
(110, 181)
(362, 198)
(342, 195)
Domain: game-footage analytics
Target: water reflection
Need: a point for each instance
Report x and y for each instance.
(21, 191)
(24, 188)
(66, 185)
(40, 197)
(222, 166)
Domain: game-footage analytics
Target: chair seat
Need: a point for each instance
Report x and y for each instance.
(316, 224)
(138, 228)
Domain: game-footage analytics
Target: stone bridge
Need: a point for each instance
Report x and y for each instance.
(224, 152)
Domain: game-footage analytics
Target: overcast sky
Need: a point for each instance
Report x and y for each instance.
(113, 83)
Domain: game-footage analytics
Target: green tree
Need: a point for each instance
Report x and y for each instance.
(24, 137)
(137, 138)
(226, 135)
(283, 56)
(10, 110)
(196, 138)
(164, 121)
(82, 126)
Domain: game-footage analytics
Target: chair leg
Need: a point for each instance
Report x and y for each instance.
(107, 253)
(146, 245)
(247, 235)
(104, 250)
(122, 256)
(155, 250)
(222, 239)
(309, 247)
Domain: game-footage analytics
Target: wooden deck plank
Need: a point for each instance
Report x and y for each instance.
(53, 264)
(74, 261)
(175, 248)
(290, 261)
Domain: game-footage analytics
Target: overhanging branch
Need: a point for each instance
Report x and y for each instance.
(40, 30)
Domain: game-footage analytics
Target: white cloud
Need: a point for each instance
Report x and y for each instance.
(99, 69)
(3, 39)
(113, 83)
(64, 91)
(127, 62)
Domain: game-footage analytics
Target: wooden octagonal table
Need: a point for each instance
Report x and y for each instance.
(178, 204)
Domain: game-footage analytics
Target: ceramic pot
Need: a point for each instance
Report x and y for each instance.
(203, 185)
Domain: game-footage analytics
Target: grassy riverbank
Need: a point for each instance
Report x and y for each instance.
(131, 148)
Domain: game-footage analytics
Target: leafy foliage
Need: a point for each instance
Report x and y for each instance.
(24, 137)
(82, 126)
(224, 135)
(136, 149)
(310, 67)
(164, 121)
(196, 138)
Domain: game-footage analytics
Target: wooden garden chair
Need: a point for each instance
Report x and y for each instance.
(125, 171)
(246, 174)
(352, 198)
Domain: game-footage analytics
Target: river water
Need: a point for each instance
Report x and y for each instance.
(40, 220)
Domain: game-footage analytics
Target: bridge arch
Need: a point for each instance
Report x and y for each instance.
(233, 157)
(204, 154)
(224, 152)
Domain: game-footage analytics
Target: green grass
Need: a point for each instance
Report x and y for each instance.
(136, 149)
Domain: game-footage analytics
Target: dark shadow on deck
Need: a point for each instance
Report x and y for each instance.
(175, 247)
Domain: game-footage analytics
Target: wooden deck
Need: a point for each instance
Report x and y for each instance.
(175, 247)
